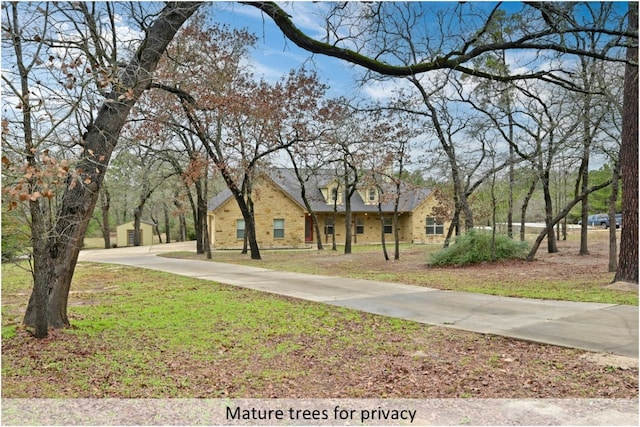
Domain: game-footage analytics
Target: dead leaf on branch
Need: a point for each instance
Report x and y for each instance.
(128, 95)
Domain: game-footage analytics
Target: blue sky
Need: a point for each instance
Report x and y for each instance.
(275, 55)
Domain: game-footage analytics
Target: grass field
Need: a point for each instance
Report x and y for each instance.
(139, 333)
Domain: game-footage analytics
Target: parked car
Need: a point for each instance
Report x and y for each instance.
(602, 220)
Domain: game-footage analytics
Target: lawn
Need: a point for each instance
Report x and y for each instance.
(140, 333)
(561, 276)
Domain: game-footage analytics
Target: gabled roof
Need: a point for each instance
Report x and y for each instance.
(286, 180)
(219, 199)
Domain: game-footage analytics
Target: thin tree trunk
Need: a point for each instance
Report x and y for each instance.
(549, 227)
(552, 247)
(106, 234)
(156, 228)
(334, 247)
(525, 205)
(167, 223)
(382, 239)
(348, 226)
(613, 200)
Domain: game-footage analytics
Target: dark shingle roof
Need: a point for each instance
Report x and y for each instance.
(411, 197)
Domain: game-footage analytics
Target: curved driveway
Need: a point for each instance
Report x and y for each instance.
(607, 328)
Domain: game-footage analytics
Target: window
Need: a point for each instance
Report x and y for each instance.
(388, 225)
(278, 228)
(372, 194)
(434, 226)
(359, 225)
(328, 226)
(240, 229)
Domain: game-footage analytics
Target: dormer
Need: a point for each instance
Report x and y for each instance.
(372, 196)
(332, 193)
(369, 195)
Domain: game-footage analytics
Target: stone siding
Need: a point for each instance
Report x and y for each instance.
(269, 204)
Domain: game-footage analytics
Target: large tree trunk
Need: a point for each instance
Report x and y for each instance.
(83, 186)
(628, 260)
(42, 271)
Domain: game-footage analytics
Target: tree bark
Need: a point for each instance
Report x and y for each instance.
(628, 258)
(106, 202)
(83, 185)
(167, 223)
(382, 239)
(525, 205)
(548, 211)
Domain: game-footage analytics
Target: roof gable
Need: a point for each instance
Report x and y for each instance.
(285, 179)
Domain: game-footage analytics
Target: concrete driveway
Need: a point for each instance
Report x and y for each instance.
(606, 328)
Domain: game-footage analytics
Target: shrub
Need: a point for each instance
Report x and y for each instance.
(475, 247)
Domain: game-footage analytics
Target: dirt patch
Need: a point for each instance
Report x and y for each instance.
(612, 360)
(623, 286)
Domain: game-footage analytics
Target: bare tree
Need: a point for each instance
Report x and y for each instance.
(540, 27)
(56, 248)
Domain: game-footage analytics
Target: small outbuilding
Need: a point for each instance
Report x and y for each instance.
(125, 233)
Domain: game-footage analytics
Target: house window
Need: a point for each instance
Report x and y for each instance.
(435, 226)
(388, 225)
(372, 194)
(328, 226)
(278, 228)
(240, 229)
(359, 225)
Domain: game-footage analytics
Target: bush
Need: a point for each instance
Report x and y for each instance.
(475, 247)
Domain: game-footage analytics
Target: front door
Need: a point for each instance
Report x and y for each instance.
(308, 228)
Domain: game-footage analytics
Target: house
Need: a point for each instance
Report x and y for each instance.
(282, 221)
(125, 232)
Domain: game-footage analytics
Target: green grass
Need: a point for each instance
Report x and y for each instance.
(143, 334)
(504, 279)
(145, 318)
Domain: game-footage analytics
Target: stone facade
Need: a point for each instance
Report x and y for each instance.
(282, 220)
(270, 204)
